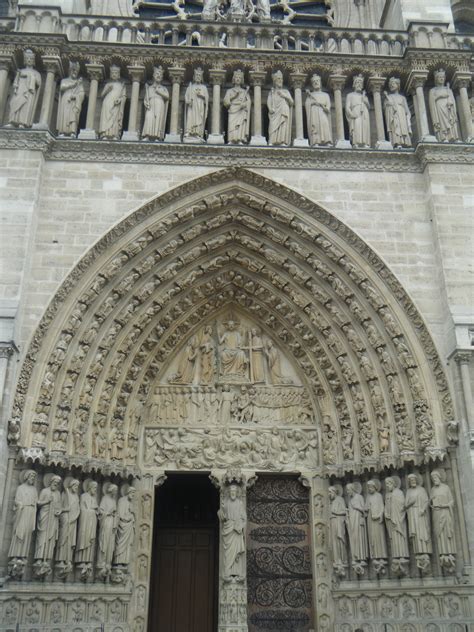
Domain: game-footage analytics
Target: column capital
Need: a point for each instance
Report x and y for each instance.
(257, 77)
(463, 357)
(6, 60)
(375, 84)
(298, 79)
(52, 63)
(217, 76)
(7, 349)
(461, 79)
(337, 82)
(176, 74)
(416, 79)
(95, 71)
(136, 72)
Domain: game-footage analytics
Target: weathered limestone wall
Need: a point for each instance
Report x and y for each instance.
(399, 13)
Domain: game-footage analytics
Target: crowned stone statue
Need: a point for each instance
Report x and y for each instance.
(196, 101)
(238, 103)
(443, 109)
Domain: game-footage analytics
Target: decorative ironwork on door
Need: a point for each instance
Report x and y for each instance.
(279, 559)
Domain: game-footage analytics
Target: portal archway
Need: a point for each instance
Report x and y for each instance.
(327, 372)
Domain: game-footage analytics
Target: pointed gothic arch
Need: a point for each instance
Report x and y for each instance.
(234, 239)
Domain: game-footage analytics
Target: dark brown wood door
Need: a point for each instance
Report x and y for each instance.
(185, 591)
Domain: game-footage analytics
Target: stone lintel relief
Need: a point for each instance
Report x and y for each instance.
(230, 398)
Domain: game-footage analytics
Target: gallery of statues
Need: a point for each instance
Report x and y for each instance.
(236, 316)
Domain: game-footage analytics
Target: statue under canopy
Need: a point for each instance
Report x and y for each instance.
(114, 96)
(280, 112)
(443, 109)
(237, 101)
(196, 100)
(71, 97)
(156, 107)
(318, 111)
(397, 115)
(357, 113)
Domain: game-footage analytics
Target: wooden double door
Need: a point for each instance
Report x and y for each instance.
(184, 590)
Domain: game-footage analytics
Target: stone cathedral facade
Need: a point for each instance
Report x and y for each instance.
(236, 316)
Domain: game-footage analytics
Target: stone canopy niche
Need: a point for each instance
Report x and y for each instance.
(229, 398)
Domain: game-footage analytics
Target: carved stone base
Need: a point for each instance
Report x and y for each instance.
(130, 136)
(301, 142)
(173, 138)
(429, 139)
(87, 134)
(383, 144)
(343, 144)
(193, 140)
(258, 140)
(215, 139)
(233, 608)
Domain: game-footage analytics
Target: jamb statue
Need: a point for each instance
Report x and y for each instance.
(49, 503)
(442, 507)
(68, 520)
(417, 503)
(338, 531)
(24, 507)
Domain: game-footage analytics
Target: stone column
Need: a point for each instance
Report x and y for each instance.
(463, 359)
(96, 73)
(177, 76)
(217, 79)
(5, 65)
(6, 351)
(142, 563)
(461, 81)
(136, 73)
(53, 67)
(257, 79)
(232, 588)
(375, 86)
(336, 83)
(415, 85)
(297, 81)
(323, 604)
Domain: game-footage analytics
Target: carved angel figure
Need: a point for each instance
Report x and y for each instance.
(26, 87)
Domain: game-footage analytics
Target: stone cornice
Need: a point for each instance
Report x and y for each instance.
(411, 160)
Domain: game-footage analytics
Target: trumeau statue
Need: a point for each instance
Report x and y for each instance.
(26, 87)
(417, 504)
(338, 530)
(375, 525)
(125, 526)
(238, 103)
(114, 96)
(156, 107)
(70, 510)
(318, 111)
(24, 507)
(443, 109)
(71, 97)
(357, 113)
(442, 507)
(196, 101)
(397, 115)
(280, 112)
(233, 524)
(47, 528)
(357, 529)
(395, 519)
(86, 536)
(107, 529)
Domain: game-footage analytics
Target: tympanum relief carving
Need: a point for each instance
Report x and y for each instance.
(229, 398)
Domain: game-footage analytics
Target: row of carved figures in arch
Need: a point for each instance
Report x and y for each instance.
(73, 532)
(406, 526)
(283, 107)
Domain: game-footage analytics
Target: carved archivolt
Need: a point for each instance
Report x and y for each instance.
(233, 240)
